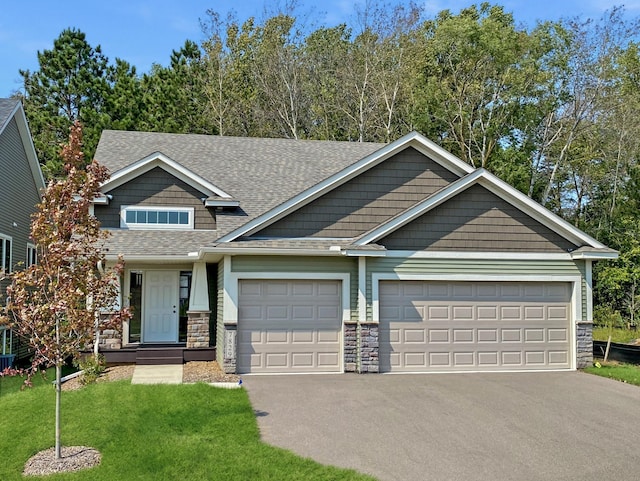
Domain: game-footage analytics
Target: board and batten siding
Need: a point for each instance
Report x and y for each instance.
(156, 187)
(469, 267)
(368, 200)
(325, 265)
(18, 195)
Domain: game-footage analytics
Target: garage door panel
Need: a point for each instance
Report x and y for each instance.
(438, 313)
(475, 326)
(439, 359)
(511, 313)
(510, 335)
(438, 335)
(558, 335)
(463, 359)
(463, 335)
(533, 335)
(298, 328)
(274, 337)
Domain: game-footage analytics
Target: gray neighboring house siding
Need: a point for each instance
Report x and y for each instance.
(156, 187)
(21, 182)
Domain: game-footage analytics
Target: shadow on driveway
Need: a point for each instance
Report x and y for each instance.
(472, 427)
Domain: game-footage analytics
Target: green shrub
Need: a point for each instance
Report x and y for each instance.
(92, 367)
(605, 316)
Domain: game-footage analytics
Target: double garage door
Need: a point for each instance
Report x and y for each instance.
(288, 326)
(428, 326)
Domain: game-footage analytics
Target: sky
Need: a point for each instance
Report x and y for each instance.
(144, 32)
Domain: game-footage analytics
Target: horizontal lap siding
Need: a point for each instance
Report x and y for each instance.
(156, 188)
(476, 220)
(367, 200)
(19, 195)
(326, 265)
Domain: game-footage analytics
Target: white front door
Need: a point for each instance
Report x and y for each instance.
(160, 306)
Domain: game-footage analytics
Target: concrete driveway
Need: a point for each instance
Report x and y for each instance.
(472, 427)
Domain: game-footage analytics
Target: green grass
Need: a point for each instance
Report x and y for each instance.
(622, 336)
(161, 432)
(12, 384)
(620, 372)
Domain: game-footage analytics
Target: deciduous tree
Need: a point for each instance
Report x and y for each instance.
(58, 303)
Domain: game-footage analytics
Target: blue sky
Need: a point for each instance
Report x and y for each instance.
(144, 32)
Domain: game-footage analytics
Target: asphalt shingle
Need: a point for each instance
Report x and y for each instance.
(6, 108)
(260, 173)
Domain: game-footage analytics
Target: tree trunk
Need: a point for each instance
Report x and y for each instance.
(58, 393)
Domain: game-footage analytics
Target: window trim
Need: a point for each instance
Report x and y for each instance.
(31, 249)
(143, 226)
(3, 239)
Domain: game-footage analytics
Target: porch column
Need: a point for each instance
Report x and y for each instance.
(198, 313)
(367, 340)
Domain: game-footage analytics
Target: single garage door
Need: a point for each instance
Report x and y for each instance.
(289, 326)
(430, 326)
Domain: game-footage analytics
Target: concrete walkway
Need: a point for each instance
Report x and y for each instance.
(163, 374)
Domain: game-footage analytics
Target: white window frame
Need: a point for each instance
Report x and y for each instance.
(32, 255)
(3, 250)
(131, 225)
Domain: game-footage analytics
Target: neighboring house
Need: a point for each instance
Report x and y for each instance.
(21, 182)
(313, 256)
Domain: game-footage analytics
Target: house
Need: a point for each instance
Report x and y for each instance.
(316, 256)
(21, 182)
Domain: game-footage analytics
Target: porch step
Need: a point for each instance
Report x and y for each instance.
(157, 356)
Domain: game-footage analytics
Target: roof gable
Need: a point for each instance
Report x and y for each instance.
(159, 160)
(363, 202)
(12, 109)
(415, 140)
(497, 187)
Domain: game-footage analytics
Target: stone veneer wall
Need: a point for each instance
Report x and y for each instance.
(584, 347)
(110, 338)
(369, 348)
(229, 348)
(350, 347)
(197, 329)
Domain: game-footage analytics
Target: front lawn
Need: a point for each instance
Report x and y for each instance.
(12, 384)
(161, 432)
(620, 372)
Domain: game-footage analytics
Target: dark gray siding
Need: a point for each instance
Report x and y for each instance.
(476, 220)
(367, 200)
(18, 194)
(159, 188)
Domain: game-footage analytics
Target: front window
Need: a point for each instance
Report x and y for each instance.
(135, 302)
(143, 217)
(5, 252)
(32, 255)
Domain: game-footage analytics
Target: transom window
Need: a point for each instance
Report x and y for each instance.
(5, 253)
(143, 217)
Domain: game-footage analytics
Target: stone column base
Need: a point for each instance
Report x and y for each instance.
(197, 329)
(584, 344)
(369, 348)
(229, 349)
(350, 347)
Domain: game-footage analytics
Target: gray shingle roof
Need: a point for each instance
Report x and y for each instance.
(260, 173)
(6, 108)
(156, 242)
